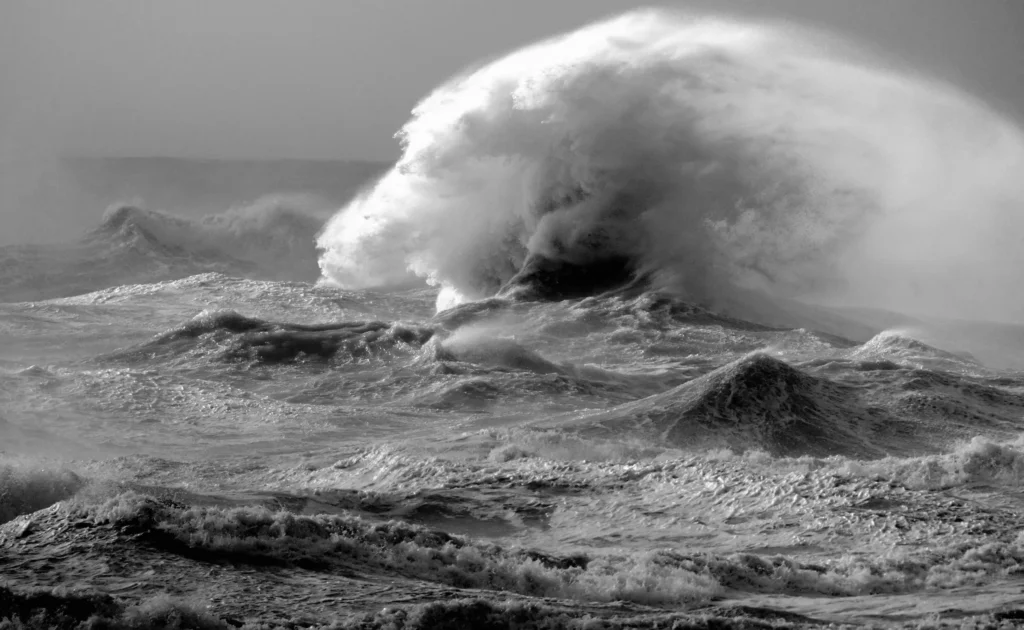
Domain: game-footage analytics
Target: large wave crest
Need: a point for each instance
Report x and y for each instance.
(704, 155)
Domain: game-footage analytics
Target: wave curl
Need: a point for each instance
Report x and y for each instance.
(702, 155)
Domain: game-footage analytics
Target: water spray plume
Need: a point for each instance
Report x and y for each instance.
(705, 156)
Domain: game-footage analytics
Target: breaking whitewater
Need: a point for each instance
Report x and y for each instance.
(657, 324)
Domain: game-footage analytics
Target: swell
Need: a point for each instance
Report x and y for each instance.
(890, 396)
(786, 392)
(754, 403)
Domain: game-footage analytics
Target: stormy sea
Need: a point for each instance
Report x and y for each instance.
(668, 322)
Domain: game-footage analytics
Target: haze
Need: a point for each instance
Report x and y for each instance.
(333, 79)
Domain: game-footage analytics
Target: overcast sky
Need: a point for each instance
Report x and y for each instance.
(336, 78)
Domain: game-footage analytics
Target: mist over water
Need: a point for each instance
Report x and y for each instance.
(708, 156)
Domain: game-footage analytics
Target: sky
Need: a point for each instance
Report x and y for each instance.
(334, 79)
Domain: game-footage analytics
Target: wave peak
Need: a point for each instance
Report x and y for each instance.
(756, 402)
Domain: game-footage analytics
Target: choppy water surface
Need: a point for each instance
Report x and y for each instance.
(618, 400)
(623, 448)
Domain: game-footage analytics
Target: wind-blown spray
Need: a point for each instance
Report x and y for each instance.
(706, 156)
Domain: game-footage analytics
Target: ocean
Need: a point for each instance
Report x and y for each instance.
(724, 356)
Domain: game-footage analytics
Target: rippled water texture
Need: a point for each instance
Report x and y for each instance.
(609, 387)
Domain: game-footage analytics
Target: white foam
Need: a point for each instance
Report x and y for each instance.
(715, 153)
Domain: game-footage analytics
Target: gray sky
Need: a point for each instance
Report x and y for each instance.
(336, 78)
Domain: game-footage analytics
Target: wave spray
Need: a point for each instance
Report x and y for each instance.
(708, 157)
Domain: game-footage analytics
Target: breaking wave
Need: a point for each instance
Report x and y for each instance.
(701, 155)
(233, 336)
(271, 239)
(274, 234)
(257, 536)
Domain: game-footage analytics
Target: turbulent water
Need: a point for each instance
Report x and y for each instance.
(626, 395)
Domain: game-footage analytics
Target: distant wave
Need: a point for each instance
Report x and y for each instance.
(273, 234)
(271, 239)
(702, 155)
